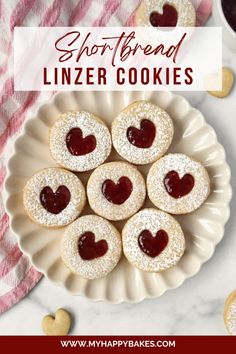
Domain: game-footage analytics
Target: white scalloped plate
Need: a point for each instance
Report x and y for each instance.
(203, 229)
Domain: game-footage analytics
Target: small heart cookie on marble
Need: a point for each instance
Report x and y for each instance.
(58, 325)
(227, 83)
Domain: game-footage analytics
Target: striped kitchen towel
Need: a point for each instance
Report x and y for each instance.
(17, 276)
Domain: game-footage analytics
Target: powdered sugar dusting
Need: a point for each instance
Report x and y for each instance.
(185, 9)
(103, 230)
(231, 318)
(183, 165)
(90, 125)
(114, 171)
(132, 116)
(53, 177)
(153, 220)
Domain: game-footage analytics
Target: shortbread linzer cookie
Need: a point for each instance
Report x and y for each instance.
(79, 141)
(91, 247)
(163, 13)
(230, 313)
(142, 132)
(178, 184)
(54, 197)
(153, 240)
(116, 190)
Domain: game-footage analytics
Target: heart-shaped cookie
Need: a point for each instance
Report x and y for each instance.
(89, 249)
(178, 187)
(79, 146)
(54, 203)
(117, 193)
(143, 137)
(153, 245)
(58, 325)
(227, 83)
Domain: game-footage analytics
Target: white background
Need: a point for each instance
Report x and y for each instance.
(34, 49)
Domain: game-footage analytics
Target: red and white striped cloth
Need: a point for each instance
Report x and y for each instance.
(17, 276)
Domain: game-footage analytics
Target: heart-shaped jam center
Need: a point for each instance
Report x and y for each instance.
(178, 187)
(54, 203)
(89, 249)
(117, 193)
(143, 137)
(153, 245)
(77, 145)
(168, 18)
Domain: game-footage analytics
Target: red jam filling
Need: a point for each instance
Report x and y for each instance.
(153, 245)
(143, 137)
(77, 145)
(168, 18)
(117, 193)
(178, 187)
(54, 203)
(229, 9)
(89, 249)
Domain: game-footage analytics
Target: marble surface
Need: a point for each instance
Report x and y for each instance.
(194, 308)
